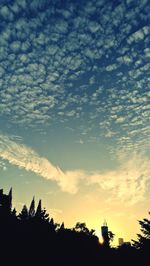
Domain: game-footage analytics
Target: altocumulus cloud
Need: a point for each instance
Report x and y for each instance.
(128, 183)
(110, 61)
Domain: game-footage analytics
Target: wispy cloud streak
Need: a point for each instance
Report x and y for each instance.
(128, 183)
(24, 157)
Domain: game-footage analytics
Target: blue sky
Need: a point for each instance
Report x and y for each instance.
(75, 105)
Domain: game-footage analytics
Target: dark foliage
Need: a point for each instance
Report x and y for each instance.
(143, 242)
(33, 238)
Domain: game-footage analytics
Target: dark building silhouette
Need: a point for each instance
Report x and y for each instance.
(104, 232)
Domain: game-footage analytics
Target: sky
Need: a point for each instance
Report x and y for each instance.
(75, 109)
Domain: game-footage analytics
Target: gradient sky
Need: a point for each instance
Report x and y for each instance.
(75, 109)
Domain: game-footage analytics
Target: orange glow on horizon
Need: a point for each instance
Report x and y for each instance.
(100, 238)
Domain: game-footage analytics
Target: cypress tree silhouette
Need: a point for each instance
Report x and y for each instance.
(32, 208)
(13, 212)
(24, 214)
(41, 213)
(62, 227)
(39, 209)
(52, 224)
(10, 199)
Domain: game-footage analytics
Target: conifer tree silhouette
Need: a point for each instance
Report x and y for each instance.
(39, 209)
(62, 227)
(10, 199)
(52, 224)
(24, 214)
(41, 213)
(32, 208)
(13, 213)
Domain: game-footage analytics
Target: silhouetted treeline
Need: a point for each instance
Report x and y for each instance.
(33, 238)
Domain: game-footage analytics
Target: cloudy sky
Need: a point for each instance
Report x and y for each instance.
(75, 109)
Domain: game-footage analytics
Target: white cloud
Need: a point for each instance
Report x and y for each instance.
(128, 183)
(136, 36)
(6, 13)
(111, 67)
(24, 157)
(44, 52)
(147, 52)
(3, 166)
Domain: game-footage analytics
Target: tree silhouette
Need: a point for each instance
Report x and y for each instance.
(62, 227)
(45, 242)
(111, 236)
(24, 214)
(52, 225)
(143, 242)
(41, 214)
(32, 208)
(81, 227)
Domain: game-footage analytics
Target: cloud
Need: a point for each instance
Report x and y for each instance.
(24, 157)
(3, 166)
(111, 67)
(63, 64)
(128, 183)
